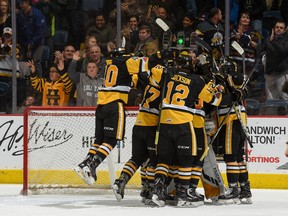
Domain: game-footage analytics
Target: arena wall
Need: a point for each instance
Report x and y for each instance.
(268, 166)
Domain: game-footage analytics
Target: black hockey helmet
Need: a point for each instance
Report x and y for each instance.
(163, 57)
(116, 52)
(184, 60)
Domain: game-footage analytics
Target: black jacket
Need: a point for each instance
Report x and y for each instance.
(276, 54)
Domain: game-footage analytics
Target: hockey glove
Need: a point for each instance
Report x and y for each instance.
(239, 94)
(202, 58)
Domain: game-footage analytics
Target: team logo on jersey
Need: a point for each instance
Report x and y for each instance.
(217, 39)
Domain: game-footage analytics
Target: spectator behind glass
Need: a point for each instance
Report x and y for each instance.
(5, 16)
(131, 33)
(67, 54)
(171, 6)
(248, 39)
(103, 33)
(31, 31)
(6, 44)
(57, 89)
(29, 101)
(89, 41)
(188, 26)
(212, 32)
(93, 55)
(87, 88)
(129, 8)
(255, 9)
(147, 45)
(157, 31)
(276, 48)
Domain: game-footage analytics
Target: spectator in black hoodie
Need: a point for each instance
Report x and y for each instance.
(276, 48)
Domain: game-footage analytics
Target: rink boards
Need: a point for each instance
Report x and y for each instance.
(267, 164)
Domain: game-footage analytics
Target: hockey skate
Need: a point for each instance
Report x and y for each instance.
(245, 194)
(146, 194)
(147, 199)
(171, 200)
(230, 197)
(87, 170)
(158, 194)
(213, 201)
(188, 197)
(119, 186)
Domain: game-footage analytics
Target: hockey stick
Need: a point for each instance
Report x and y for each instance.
(160, 108)
(208, 49)
(203, 44)
(111, 168)
(240, 50)
(244, 128)
(167, 35)
(165, 28)
(162, 24)
(237, 47)
(217, 132)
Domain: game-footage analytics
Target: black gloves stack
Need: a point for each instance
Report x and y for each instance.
(239, 95)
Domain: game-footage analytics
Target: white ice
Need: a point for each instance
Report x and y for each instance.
(265, 203)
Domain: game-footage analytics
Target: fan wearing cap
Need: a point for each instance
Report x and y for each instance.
(57, 89)
(6, 43)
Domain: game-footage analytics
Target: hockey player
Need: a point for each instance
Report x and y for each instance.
(177, 136)
(211, 177)
(143, 140)
(110, 114)
(231, 138)
(144, 130)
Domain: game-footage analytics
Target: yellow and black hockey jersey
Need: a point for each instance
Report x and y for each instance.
(118, 78)
(149, 109)
(182, 91)
(54, 93)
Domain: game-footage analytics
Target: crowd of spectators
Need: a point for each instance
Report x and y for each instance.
(89, 28)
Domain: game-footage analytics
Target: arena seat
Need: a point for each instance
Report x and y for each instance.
(277, 107)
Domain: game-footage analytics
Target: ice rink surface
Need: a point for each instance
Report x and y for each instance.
(265, 203)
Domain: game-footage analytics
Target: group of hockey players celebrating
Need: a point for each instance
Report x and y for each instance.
(170, 141)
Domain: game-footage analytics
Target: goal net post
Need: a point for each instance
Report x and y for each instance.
(57, 139)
